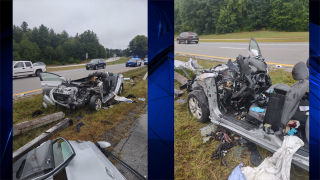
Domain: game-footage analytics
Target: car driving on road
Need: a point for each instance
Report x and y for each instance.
(134, 62)
(96, 63)
(26, 68)
(188, 37)
(146, 61)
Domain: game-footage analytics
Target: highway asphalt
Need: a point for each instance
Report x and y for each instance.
(288, 53)
(22, 85)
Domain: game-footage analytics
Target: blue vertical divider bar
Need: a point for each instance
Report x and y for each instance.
(6, 91)
(160, 89)
(314, 68)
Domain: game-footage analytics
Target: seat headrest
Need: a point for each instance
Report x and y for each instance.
(300, 71)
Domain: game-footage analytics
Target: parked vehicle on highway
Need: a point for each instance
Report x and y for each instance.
(239, 96)
(96, 89)
(188, 37)
(26, 68)
(82, 160)
(134, 62)
(146, 61)
(96, 63)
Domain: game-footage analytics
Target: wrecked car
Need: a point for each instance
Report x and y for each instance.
(239, 96)
(96, 89)
(81, 160)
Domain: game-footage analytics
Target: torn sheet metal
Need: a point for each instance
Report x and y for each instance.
(207, 130)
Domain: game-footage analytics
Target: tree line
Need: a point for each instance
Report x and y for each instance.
(45, 45)
(229, 16)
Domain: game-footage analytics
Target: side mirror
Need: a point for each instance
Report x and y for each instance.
(63, 79)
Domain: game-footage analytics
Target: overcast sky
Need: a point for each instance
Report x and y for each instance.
(116, 22)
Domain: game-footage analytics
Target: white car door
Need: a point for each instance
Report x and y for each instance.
(49, 81)
(19, 69)
(28, 68)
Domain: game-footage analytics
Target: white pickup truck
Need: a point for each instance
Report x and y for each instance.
(26, 68)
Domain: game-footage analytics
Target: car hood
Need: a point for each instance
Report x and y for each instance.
(91, 163)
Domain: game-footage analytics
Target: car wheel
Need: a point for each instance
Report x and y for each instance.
(87, 68)
(104, 66)
(126, 65)
(140, 65)
(178, 41)
(198, 106)
(120, 90)
(38, 72)
(186, 41)
(95, 102)
(197, 42)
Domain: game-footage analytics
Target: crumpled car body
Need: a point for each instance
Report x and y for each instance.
(82, 160)
(229, 95)
(95, 89)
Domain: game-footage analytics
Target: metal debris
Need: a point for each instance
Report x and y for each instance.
(78, 126)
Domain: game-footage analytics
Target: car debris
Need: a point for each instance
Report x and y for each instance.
(37, 113)
(177, 93)
(95, 89)
(107, 107)
(122, 99)
(131, 96)
(181, 101)
(278, 166)
(145, 76)
(126, 79)
(142, 99)
(236, 174)
(78, 126)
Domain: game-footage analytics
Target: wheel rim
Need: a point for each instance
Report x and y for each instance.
(98, 104)
(195, 107)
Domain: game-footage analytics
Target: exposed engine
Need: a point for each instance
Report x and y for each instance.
(77, 93)
(241, 83)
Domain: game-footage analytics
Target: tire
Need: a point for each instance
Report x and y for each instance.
(95, 102)
(104, 66)
(178, 41)
(198, 106)
(120, 90)
(197, 42)
(186, 41)
(87, 68)
(140, 64)
(95, 67)
(38, 71)
(126, 65)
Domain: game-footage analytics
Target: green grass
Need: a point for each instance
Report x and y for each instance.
(293, 36)
(193, 157)
(120, 61)
(93, 130)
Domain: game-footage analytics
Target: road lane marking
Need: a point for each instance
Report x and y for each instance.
(27, 92)
(41, 89)
(231, 58)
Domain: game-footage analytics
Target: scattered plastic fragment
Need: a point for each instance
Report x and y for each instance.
(142, 99)
(78, 126)
(36, 113)
(257, 109)
(44, 105)
(126, 79)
